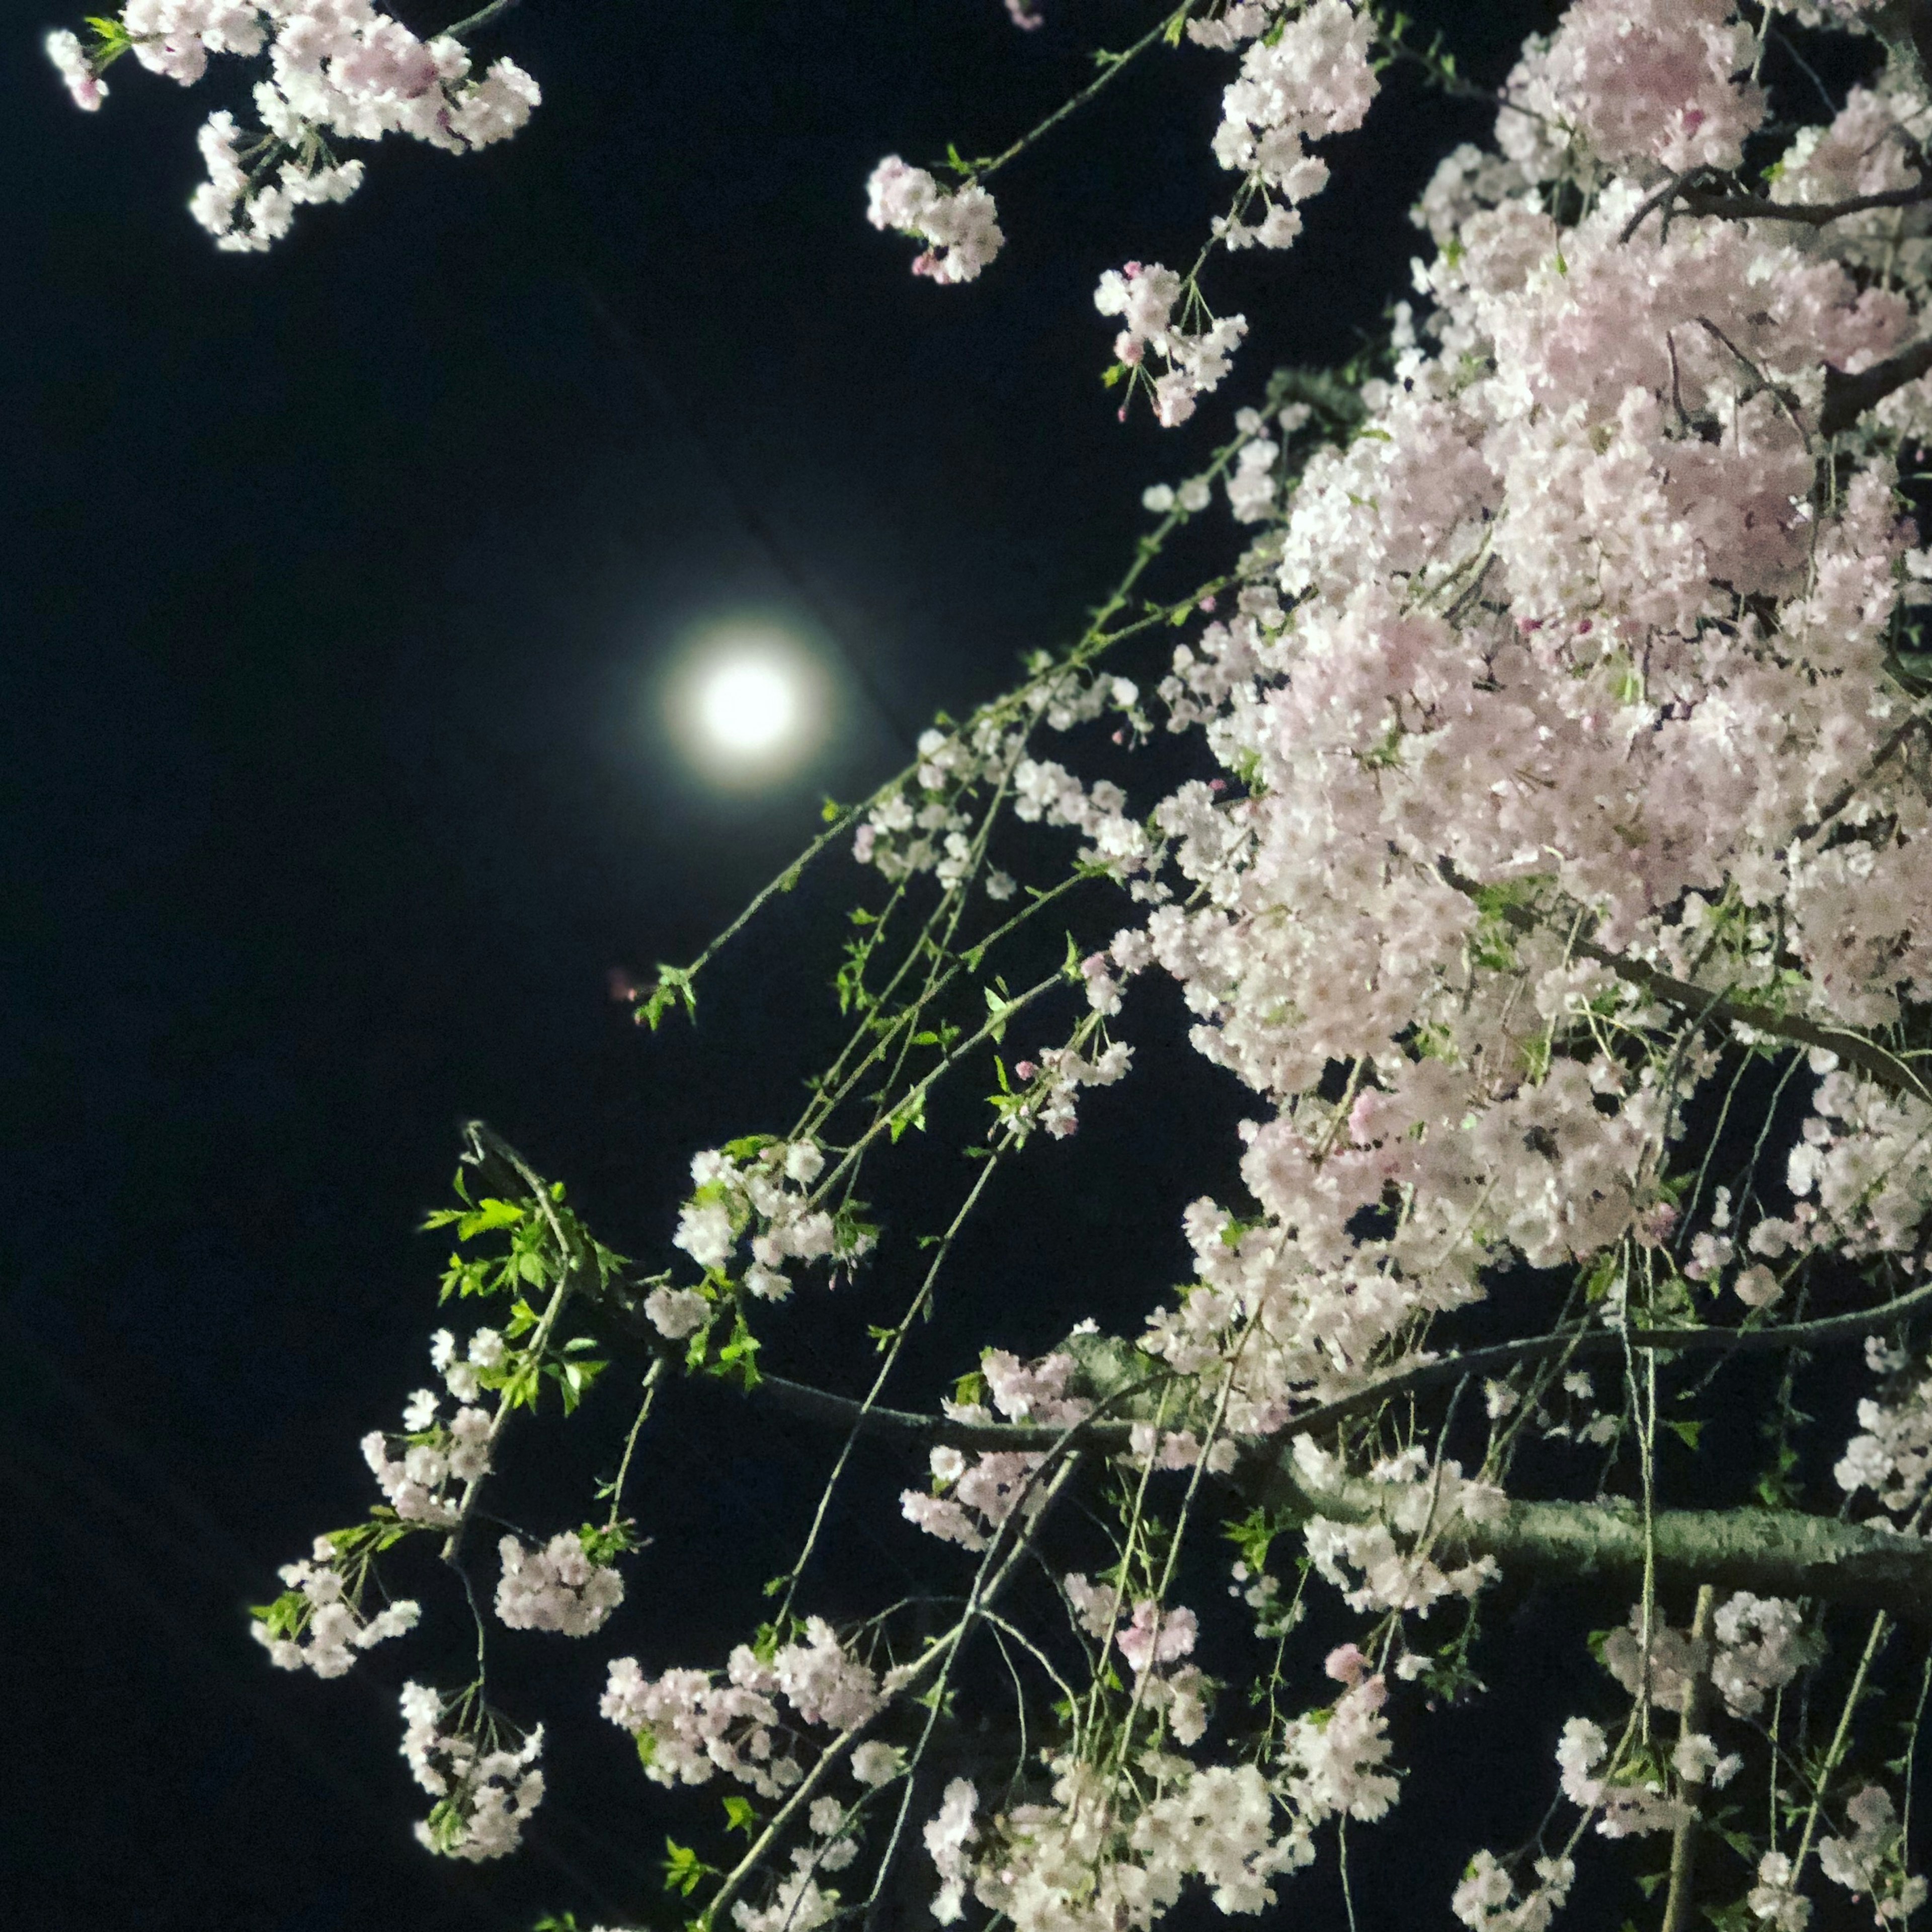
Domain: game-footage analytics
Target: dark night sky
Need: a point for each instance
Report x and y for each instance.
(336, 586)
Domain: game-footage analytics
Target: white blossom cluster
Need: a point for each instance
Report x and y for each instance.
(1892, 1453)
(485, 1796)
(929, 827)
(1309, 77)
(438, 1454)
(765, 1193)
(334, 1629)
(1485, 1900)
(1624, 1808)
(1082, 1861)
(1053, 1084)
(973, 1494)
(338, 70)
(1772, 1901)
(1761, 1644)
(691, 1724)
(960, 226)
(556, 1587)
(1868, 1863)
(1099, 1855)
(949, 1835)
(1420, 1503)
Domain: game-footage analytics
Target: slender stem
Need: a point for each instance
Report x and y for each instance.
(866, 1407)
(484, 17)
(939, 1656)
(483, 1140)
(1116, 64)
(653, 1376)
(1881, 1628)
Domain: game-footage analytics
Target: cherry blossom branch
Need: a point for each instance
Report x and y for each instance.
(985, 1592)
(1849, 790)
(1808, 214)
(1876, 1062)
(632, 1331)
(484, 1143)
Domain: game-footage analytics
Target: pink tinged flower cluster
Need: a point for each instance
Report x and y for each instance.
(338, 70)
(556, 1587)
(86, 88)
(960, 226)
(1334, 1761)
(486, 1795)
(690, 1724)
(1571, 622)
(973, 1495)
(1144, 298)
(1647, 84)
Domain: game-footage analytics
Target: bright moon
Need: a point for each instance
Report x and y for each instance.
(747, 700)
(748, 704)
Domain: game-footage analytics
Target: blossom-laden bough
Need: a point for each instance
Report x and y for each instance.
(1558, 885)
(336, 71)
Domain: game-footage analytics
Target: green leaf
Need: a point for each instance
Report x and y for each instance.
(1686, 1433)
(488, 1213)
(674, 988)
(684, 1870)
(739, 1816)
(737, 1360)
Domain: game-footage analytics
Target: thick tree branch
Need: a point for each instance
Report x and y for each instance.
(1696, 1710)
(1847, 398)
(1728, 207)
(1769, 1553)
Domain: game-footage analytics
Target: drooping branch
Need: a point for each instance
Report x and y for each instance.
(1771, 1552)
(627, 1330)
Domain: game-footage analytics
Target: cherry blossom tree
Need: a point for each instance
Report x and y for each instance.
(1556, 884)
